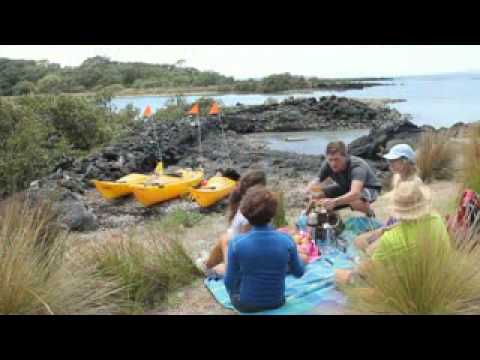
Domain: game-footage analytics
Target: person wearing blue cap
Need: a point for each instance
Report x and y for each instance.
(401, 159)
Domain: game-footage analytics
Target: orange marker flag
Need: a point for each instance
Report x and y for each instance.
(148, 111)
(214, 110)
(195, 110)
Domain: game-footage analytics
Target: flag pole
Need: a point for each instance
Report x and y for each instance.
(199, 132)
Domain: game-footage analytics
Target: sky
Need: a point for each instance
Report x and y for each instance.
(245, 61)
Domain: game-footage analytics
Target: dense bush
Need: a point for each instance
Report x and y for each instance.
(24, 87)
(51, 84)
(37, 131)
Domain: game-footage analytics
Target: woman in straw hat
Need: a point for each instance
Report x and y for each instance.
(412, 206)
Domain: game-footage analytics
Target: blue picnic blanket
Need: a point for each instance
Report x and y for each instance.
(314, 292)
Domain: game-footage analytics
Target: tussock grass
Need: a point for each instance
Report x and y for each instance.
(470, 174)
(146, 265)
(179, 219)
(35, 275)
(435, 157)
(427, 279)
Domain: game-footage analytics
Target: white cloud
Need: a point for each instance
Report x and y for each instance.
(244, 61)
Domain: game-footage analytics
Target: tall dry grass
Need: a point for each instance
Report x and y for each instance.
(148, 265)
(435, 157)
(35, 275)
(428, 278)
(470, 152)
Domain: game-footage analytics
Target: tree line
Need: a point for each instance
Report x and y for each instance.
(25, 77)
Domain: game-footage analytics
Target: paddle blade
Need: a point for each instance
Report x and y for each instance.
(159, 168)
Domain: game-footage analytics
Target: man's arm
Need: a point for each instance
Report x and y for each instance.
(358, 179)
(353, 195)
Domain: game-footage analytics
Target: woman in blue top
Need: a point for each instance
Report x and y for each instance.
(258, 261)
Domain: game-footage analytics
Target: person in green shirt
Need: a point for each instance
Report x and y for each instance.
(412, 206)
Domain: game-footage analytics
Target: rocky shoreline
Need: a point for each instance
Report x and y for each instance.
(225, 144)
(326, 113)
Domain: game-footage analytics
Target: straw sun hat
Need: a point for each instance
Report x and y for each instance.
(411, 200)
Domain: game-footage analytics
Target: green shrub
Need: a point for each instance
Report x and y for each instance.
(24, 88)
(51, 84)
(36, 131)
(26, 150)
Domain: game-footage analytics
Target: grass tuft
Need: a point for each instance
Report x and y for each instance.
(435, 157)
(35, 275)
(427, 279)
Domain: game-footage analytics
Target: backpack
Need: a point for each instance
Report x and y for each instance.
(467, 213)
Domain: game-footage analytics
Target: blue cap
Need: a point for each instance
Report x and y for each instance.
(400, 151)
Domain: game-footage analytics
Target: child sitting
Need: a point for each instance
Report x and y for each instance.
(258, 261)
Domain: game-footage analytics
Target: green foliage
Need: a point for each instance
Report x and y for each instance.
(37, 131)
(13, 72)
(180, 218)
(270, 101)
(24, 87)
(98, 72)
(51, 84)
(26, 151)
(246, 86)
(177, 107)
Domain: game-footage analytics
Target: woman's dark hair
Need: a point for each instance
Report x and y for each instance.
(258, 205)
(247, 181)
(232, 174)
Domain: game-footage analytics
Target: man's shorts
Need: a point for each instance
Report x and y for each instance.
(368, 194)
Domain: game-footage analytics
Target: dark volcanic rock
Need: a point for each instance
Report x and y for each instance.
(383, 138)
(328, 113)
(74, 213)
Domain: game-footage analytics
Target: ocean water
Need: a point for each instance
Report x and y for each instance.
(315, 141)
(438, 100)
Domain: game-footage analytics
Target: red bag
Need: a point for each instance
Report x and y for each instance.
(467, 213)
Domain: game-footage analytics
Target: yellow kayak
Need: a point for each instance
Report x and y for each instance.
(216, 189)
(115, 189)
(121, 187)
(166, 186)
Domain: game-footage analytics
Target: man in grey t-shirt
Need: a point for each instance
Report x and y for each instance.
(355, 184)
